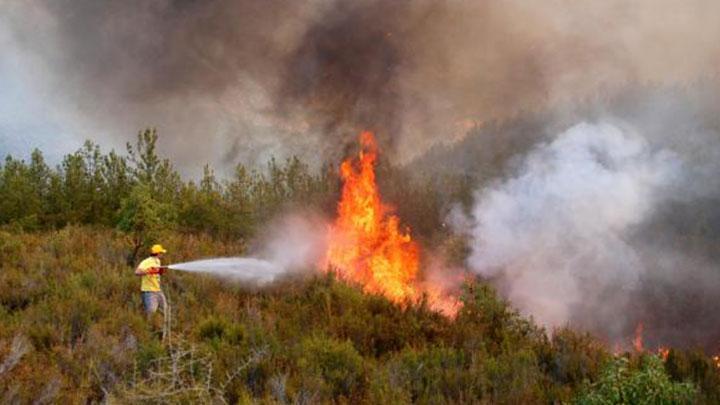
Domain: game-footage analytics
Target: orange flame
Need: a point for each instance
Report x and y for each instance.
(638, 341)
(366, 245)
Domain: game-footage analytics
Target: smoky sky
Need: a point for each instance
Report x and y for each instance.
(610, 221)
(239, 81)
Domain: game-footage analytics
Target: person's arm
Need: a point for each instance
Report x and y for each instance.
(143, 269)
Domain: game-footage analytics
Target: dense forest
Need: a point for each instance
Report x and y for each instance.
(72, 329)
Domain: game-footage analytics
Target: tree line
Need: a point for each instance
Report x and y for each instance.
(142, 194)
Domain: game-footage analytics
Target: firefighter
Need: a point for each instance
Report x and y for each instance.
(149, 271)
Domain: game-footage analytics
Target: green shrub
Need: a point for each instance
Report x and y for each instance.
(648, 384)
(333, 367)
(386, 388)
(10, 247)
(17, 290)
(43, 337)
(148, 352)
(436, 375)
(212, 328)
(572, 358)
(514, 377)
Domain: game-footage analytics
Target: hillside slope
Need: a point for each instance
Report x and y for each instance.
(72, 330)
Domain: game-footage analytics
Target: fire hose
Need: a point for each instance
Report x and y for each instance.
(157, 270)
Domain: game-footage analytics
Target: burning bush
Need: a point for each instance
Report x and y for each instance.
(366, 243)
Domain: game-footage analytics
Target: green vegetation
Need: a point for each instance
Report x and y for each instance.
(71, 318)
(72, 329)
(648, 384)
(143, 196)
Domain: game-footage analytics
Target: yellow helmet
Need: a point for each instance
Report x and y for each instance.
(155, 249)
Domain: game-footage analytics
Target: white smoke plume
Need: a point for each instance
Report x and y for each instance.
(556, 238)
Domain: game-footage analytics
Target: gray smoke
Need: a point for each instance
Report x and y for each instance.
(227, 81)
(582, 233)
(556, 233)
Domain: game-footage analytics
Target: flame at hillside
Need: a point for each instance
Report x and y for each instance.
(366, 245)
(638, 340)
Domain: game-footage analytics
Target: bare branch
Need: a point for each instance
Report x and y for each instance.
(184, 375)
(18, 348)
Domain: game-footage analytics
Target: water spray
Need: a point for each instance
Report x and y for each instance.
(240, 269)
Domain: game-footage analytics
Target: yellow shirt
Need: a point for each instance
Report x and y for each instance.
(149, 282)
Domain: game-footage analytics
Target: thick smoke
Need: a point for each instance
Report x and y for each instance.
(580, 235)
(227, 81)
(556, 234)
